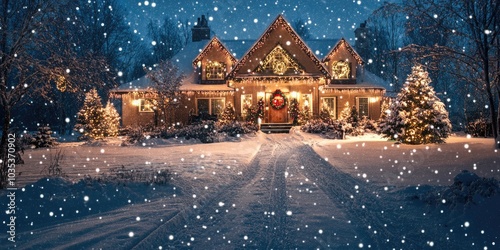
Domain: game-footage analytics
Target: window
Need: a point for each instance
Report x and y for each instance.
(363, 106)
(146, 105)
(341, 70)
(215, 71)
(210, 106)
(246, 101)
(330, 104)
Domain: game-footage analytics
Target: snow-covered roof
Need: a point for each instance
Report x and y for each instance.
(238, 48)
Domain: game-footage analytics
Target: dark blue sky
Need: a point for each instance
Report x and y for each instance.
(247, 19)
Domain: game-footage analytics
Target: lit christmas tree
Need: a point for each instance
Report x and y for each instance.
(260, 108)
(97, 122)
(111, 120)
(228, 115)
(294, 111)
(417, 116)
(345, 114)
(91, 116)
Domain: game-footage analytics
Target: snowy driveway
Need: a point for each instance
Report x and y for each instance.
(285, 197)
(288, 198)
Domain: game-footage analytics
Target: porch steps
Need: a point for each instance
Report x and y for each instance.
(269, 128)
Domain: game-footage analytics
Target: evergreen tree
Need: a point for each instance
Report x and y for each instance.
(294, 111)
(91, 116)
(305, 115)
(390, 124)
(111, 121)
(418, 116)
(325, 114)
(229, 114)
(345, 114)
(43, 138)
(260, 108)
(353, 118)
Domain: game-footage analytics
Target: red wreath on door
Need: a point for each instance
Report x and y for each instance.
(278, 100)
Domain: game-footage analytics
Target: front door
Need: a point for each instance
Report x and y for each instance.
(278, 110)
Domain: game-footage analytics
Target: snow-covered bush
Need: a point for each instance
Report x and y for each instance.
(136, 134)
(332, 129)
(467, 188)
(315, 126)
(479, 128)
(236, 128)
(43, 138)
(417, 116)
(205, 131)
(146, 176)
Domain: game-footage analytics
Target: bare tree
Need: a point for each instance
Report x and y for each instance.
(166, 39)
(472, 30)
(30, 64)
(166, 80)
(386, 36)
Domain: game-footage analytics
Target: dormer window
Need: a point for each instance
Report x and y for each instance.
(215, 71)
(341, 70)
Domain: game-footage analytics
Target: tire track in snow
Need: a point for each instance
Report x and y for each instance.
(359, 199)
(251, 211)
(192, 223)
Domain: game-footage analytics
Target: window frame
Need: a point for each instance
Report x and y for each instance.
(367, 106)
(334, 102)
(210, 104)
(244, 98)
(142, 106)
(215, 70)
(333, 68)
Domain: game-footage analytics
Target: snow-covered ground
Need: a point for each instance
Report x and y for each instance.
(288, 191)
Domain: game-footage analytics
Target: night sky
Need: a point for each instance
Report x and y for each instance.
(241, 19)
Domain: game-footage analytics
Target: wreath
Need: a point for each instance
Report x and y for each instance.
(278, 100)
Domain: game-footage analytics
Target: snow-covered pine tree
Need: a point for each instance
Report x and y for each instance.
(325, 114)
(390, 124)
(353, 118)
(421, 114)
(111, 120)
(228, 115)
(305, 115)
(294, 111)
(91, 116)
(43, 138)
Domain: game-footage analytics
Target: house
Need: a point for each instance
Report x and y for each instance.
(277, 67)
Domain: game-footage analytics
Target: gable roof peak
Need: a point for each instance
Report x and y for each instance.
(349, 48)
(280, 20)
(215, 41)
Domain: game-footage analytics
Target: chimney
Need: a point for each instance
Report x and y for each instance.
(362, 40)
(201, 31)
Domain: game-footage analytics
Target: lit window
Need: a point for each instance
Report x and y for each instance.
(329, 103)
(363, 108)
(215, 71)
(341, 70)
(246, 102)
(146, 105)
